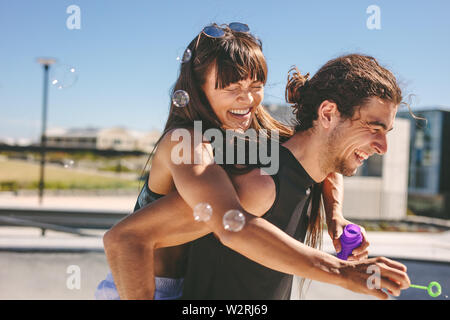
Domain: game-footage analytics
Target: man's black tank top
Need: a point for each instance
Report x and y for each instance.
(216, 272)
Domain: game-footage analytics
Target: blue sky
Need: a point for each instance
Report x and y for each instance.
(125, 52)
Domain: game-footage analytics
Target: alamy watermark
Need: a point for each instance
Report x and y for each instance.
(74, 20)
(74, 279)
(235, 148)
(374, 281)
(374, 20)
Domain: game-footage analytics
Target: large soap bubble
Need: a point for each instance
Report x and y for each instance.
(180, 98)
(63, 76)
(187, 54)
(233, 220)
(202, 212)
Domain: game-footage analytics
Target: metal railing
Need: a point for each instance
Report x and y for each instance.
(69, 221)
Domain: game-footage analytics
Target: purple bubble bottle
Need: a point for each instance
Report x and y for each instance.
(351, 238)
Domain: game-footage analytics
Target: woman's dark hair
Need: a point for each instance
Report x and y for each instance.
(237, 56)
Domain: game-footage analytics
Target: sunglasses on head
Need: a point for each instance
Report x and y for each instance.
(215, 31)
(218, 32)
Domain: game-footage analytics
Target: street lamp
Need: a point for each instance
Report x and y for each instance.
(46, 63)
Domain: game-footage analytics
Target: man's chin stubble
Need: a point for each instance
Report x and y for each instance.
(341, 168)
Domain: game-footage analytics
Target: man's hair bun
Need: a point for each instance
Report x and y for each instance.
(295, 85)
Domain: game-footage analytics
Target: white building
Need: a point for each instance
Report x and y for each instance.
(383, 195)
(15, 141)
(116, 138)
(145, 141)
(72, 138)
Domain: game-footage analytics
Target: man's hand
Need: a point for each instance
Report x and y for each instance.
(373, 276)
(333, 195)
(336, 227)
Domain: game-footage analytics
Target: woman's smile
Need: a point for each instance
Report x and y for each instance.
(235, 104)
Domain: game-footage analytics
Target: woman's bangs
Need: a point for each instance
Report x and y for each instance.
(240, 67)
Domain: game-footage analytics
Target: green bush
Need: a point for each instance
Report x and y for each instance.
(9, 186)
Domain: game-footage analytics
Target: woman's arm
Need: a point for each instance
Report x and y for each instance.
(128, 241)
(198, 180)
(190, 164)
(169, 221)
(129, 245)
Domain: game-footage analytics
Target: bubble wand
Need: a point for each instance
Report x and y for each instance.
(430, 288)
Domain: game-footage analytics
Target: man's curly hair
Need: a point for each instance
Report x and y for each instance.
(349, 81)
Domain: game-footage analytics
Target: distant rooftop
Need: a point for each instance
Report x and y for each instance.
(78, 132)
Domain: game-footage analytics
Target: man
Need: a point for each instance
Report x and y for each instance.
(344, 113)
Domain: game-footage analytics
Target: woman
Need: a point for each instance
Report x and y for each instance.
(224, 79)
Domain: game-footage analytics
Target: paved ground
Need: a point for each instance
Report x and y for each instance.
(32, 276)
(36, 267)
(101, 202)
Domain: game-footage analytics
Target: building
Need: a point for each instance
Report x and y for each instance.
(379, 188)
(281, 113)
(145, 141)
(72, 138)
(429, 175)
(9, 141)
(116, 138)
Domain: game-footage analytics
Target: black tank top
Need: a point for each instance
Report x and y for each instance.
(146, 196)
(217, 272)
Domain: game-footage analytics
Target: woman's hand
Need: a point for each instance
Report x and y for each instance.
(336, 227)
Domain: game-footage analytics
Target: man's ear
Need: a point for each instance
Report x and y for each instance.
(328, 114)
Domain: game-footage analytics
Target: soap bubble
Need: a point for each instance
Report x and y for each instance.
(180, 98)
(187, 54)
(63, 76)
(68, 163)
(233, 220)
(202, 212)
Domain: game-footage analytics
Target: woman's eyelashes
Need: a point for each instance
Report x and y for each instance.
(235, 89)
(239, 89)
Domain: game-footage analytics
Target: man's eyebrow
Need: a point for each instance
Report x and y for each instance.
(379, 123)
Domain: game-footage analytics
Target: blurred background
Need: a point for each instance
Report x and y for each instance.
(84, 95)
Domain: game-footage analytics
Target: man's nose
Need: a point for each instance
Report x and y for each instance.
(380, 144)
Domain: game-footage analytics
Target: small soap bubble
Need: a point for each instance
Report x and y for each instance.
(180, 98)
(187, 54)
(68, 163)
(202, 212)
(233, 220)
(63, 76)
